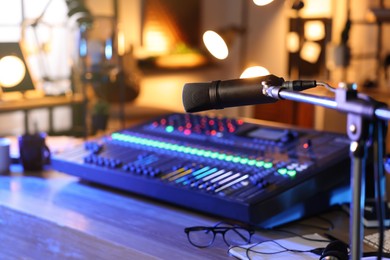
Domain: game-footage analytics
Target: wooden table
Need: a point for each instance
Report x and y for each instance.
(54, 216)
(50, 215)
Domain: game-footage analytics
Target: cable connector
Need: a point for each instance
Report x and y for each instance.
(299, 85)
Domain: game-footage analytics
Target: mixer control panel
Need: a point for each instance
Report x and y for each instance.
(228, 167)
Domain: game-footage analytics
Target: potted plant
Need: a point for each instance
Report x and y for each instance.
(100, 114)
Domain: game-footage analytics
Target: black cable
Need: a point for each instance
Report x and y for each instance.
(250, 249)
(284, 249)
(331, 225)
(301, 236)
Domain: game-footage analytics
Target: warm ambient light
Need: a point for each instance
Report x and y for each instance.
(181, 60)
(310, 52)
(314, 30)
(157, 42)
(262, 2)
(255, 71)
(215, 44)
(121, 43)
(293, 42)
(12, 71)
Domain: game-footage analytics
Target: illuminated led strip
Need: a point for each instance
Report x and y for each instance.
(231, 183)
(197, 151)
(184, 176)
(201, 175)
(284, 171)
(189, 150)
(205, 179)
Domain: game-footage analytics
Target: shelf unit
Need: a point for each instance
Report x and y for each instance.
(76, 102)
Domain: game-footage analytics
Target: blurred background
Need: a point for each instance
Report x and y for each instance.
(101, 65)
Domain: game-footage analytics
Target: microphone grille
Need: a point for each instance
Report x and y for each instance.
(196, 97)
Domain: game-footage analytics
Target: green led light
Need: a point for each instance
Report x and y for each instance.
(244, 161)
(180, 148)
(221, 156)
(292, 173)
(207, 154)
(260, 164)
(268, 165)
(236, 159)
(251, 162)
(214, 155)
(228, 158)
(188, 150)
(200, 153)
(282, 171)
(169, 129)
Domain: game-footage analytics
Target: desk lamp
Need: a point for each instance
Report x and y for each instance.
(14, 73)
(218, 43)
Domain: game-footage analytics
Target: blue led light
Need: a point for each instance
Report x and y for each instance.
(83, 48)
(108, 49)
(206, 173)
(185, 177)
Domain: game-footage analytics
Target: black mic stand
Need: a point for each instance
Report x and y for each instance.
(364, 115)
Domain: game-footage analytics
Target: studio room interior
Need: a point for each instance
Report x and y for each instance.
(223, 129)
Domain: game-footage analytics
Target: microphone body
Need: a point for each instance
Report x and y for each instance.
(229, 93)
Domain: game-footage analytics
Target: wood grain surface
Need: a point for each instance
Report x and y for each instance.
(50, 215)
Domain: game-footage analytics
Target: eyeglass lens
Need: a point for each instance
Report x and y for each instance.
(232, 236)
(237, 236)
(201, 238)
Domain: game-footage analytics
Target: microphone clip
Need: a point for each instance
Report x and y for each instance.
(295, 85)
(271, 91)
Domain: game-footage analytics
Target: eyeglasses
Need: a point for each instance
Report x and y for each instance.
(202, 237)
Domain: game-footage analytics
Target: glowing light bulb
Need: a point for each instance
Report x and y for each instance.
(12, 71)
(293, 42)
(314, 30)
(255, 71)
(262, 2)
(310, 52)
(215, 44)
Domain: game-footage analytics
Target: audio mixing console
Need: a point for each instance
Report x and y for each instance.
(244, 171)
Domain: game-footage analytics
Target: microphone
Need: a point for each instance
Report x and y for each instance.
(228, 93)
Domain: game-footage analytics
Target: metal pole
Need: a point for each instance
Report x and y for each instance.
(357, 205)
(380, 113)
(362, 113)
